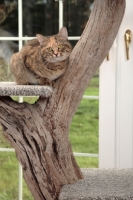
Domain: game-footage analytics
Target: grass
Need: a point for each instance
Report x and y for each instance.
(8, 176)
(84, 127)
(83, 136)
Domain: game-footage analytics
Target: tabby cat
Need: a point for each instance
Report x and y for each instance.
(41, 60)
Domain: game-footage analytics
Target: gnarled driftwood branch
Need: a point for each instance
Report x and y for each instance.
(39, 132)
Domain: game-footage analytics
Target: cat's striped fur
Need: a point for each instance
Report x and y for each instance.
(42, 60)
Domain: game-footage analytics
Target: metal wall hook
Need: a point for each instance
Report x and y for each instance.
(128, 39)
(107, 57)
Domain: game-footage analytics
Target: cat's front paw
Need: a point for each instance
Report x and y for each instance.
(45, 81)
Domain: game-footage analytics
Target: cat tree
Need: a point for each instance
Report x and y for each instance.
(39, 132)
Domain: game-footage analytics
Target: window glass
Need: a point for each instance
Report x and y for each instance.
(76, 15)
(40, 16)
(8, 18)
(8, 28)
(73, 42)
(7, 48)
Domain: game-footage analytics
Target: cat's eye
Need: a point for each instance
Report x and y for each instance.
(49, 49)
(60, 46)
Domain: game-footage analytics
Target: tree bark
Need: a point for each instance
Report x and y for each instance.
(39, 132)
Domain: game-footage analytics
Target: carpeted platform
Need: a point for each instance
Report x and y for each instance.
(106, 184)
(12, 89)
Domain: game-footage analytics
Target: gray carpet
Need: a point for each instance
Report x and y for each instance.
(12, 89)
(108, 184)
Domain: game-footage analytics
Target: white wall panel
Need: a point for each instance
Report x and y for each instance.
(116, 102)
(107, 111)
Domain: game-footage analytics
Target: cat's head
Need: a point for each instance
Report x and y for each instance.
(55, 48)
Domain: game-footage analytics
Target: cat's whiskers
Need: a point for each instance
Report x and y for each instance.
(54, 56)
(45, 61)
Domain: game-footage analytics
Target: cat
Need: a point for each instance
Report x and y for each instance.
(41, 60)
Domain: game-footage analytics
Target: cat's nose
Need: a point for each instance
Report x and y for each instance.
(56, 53)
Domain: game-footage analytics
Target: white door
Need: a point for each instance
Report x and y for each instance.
(116, 101)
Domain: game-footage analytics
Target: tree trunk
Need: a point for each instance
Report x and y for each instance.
(39, 132)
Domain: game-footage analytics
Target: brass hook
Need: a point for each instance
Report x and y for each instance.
(107, 57)
(128, 39)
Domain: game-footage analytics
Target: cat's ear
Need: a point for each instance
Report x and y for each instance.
(63, 33)
(41, 39)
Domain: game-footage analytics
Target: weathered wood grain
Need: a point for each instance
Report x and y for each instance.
(39, 132)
